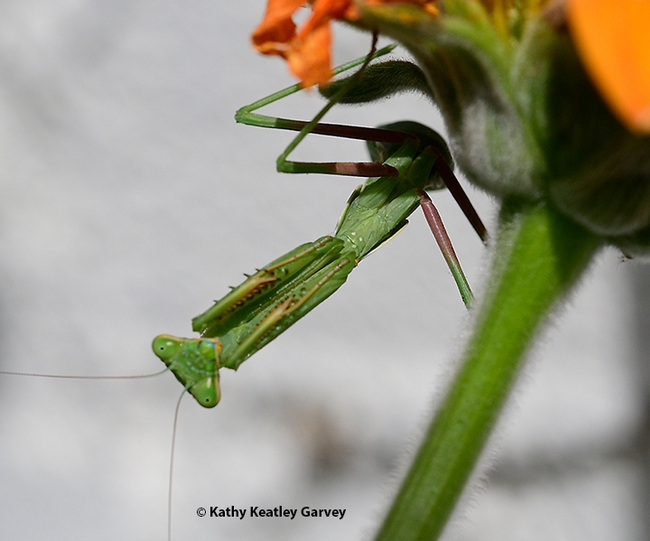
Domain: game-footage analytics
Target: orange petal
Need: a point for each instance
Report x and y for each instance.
(333, 9)
(308, 51)
(277, 29)
(430, 6)
(323, 12)
(310, 59)
(613, 38)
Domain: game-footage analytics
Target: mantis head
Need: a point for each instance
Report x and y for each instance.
(195, 363)
(380, 151)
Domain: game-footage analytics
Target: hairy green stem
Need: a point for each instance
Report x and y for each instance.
(539, 256)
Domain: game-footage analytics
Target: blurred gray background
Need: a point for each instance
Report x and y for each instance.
(130, 200)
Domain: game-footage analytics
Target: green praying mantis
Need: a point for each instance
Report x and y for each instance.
(408, 158)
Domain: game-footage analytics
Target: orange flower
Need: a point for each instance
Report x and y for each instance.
(613, 39)
(308, 51)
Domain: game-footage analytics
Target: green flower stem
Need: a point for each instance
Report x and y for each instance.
(539, 256)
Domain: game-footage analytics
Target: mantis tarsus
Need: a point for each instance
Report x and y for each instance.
(408, 158)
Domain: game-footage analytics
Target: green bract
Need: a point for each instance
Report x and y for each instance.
(523, 117)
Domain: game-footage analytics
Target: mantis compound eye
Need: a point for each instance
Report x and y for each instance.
(166, 347)
(207, 391)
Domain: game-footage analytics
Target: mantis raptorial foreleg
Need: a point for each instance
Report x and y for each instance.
(408, 159)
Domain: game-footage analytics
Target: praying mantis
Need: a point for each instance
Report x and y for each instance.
(408, 159)
(85, 460)
(59, 436)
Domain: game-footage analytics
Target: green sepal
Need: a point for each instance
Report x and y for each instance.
(380, 81)
(598, 171)
(468, 66)
(610, 194)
